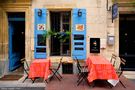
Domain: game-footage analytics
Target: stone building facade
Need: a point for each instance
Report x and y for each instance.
(96, 22)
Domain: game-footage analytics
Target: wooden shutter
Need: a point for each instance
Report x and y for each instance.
(39, 30)
(79, 34)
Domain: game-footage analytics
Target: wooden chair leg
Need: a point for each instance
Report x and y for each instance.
(58, 74)
(54, 74)
(57, 77)
(46, 81)
(79, 77)
(33, 80)
(80, 81)
(25, 79)
(122, 84)
(87, 81)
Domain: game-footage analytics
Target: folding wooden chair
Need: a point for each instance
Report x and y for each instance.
(120, 70)
(82, 72)
(26, 69)
(113, 59)
(55, 71)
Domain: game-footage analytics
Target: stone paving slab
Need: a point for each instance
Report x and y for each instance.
(27, 83)
(69, 82)
(22, 88)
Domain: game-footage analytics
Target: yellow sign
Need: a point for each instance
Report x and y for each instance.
(79, 27)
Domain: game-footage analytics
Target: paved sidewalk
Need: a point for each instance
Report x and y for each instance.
(130, 75)
(27, 83)
(69, 82)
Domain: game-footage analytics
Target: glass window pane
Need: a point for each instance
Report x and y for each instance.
(66, 27)
(66, 17)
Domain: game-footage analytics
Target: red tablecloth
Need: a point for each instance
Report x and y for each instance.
(100, 68)
(40, 68)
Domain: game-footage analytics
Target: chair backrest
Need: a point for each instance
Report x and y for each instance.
(122, 62)
(78, 64)
(113, 59)
(60, 63)
(24, 62)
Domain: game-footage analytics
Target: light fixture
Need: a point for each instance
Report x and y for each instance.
(39, 12)
(79, 12)
(107, 6)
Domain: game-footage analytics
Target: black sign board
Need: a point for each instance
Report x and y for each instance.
(114, 11)
(78, 37)
(94, 45)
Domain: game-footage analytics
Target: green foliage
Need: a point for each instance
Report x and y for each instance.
(62, 36)
(47, 34)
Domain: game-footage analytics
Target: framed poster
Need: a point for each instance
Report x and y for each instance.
(41, 26)
(79, 27)
(94, 45)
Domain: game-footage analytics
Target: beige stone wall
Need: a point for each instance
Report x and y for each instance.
(15, 7)
(3, 35)
(1, 32)
(15, 1)
(99, 22)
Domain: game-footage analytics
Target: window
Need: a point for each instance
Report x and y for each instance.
(41, 40)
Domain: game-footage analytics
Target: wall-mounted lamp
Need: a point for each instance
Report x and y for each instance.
(107, 6)
(79, 12)
(39, 12)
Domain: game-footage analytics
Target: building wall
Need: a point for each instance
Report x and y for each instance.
(8, 6)
(99, 22)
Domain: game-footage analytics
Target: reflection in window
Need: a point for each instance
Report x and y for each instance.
(41, 40)
(65, 17)
(66, 27)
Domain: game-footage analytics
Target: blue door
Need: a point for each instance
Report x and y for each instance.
(16, 41)
(79, 33)
(39, 31)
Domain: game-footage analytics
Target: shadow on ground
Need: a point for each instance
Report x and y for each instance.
(69, 83)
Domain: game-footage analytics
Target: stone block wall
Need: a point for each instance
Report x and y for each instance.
(99, 22)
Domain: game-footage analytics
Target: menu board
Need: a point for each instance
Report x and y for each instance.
(94, 45)
(78, 37)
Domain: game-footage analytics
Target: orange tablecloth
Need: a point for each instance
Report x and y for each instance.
(100, 68)
(40, 68)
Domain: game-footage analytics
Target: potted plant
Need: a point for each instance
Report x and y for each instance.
(62, 36)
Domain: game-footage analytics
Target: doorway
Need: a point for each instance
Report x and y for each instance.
(60, 22)
(127, 40)
(16, 23)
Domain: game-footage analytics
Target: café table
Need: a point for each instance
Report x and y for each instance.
(101, 69)
(39, 68)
